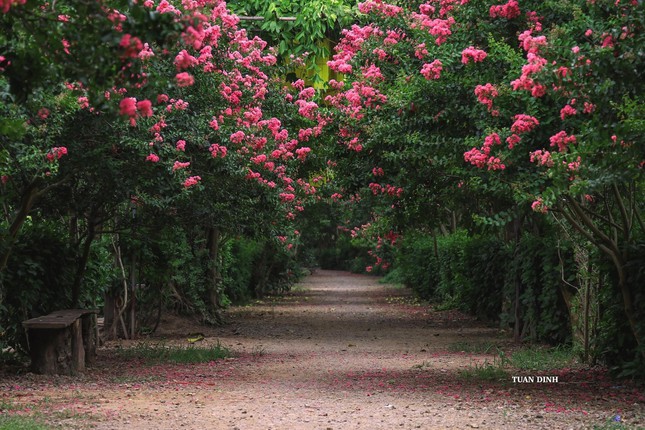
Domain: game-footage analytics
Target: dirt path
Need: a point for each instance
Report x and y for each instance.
(341, 352)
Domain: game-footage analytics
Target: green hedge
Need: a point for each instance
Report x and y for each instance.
(477, 274)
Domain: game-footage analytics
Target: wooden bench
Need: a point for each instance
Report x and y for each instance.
(63, 342)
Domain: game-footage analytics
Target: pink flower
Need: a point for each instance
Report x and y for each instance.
(184, 79)
(539, 206)
(524, 123)
(472, 53)
(56, 153)
(485, 94)
(181, 145)
(542, 158)
(153, 158)
(432, 70)
(566, 111)
(218, 150)
(575, 49)
(562, 140)
(237, 137)
(509, 10)
(513, 140)
(43, 113)
(184, 60)
(145, 108)
(128, 106)
(131, 45)
(287, 197)
(302, 152)
(193, 180)
(179, 165)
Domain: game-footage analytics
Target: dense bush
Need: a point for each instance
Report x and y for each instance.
(477, 273)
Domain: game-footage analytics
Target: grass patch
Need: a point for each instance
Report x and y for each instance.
(161, 353)
(535, 358)
(485, 372)
(20, 423)
(611, 424)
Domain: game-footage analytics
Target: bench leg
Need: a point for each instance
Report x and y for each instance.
(78, 350)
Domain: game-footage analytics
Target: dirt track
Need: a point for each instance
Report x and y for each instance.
(341, 352)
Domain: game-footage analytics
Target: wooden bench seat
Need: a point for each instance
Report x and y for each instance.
(62, 342)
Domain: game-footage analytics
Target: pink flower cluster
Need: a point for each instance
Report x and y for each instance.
(524, 123)
(509, 10)
(56, 153)
(191, 180)
(440, 28)
(567, 111)
(133, 109)
(562, 140)
(539, 206)
(379, 6)
(432, 70)
(474, 54)
(542, 158)
(485, 94)
(480, 157)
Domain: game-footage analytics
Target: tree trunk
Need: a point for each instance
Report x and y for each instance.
(214, 278)
(83, 260)
(29, 198)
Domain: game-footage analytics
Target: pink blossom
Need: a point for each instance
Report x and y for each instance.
(5, 5)
(184, 79)
(513, 140)
(184, 60)
(539, 206)
(509, 10)
(43, 113)
(56, 153)
(420, 51)
(287, 197)
(181, 145)
(218, 150)
(485, 94)
(562, 140)
(524, 123)
(192, 180)
(154, 158)
(432, 70)
(589, 108)
(83, 102)
(542, 158)
(144, 107)
(128, 106)
(567, 111)
(472, 53)
(589, 32)
(180, 165)
(302, 152)
(131, 45)
(237, 137)
(574, 165)
(146, 52)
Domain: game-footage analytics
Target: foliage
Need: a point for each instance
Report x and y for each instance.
(477, 274)
(314, 22)
(20, 423)
(160, 353)
(541, 359)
